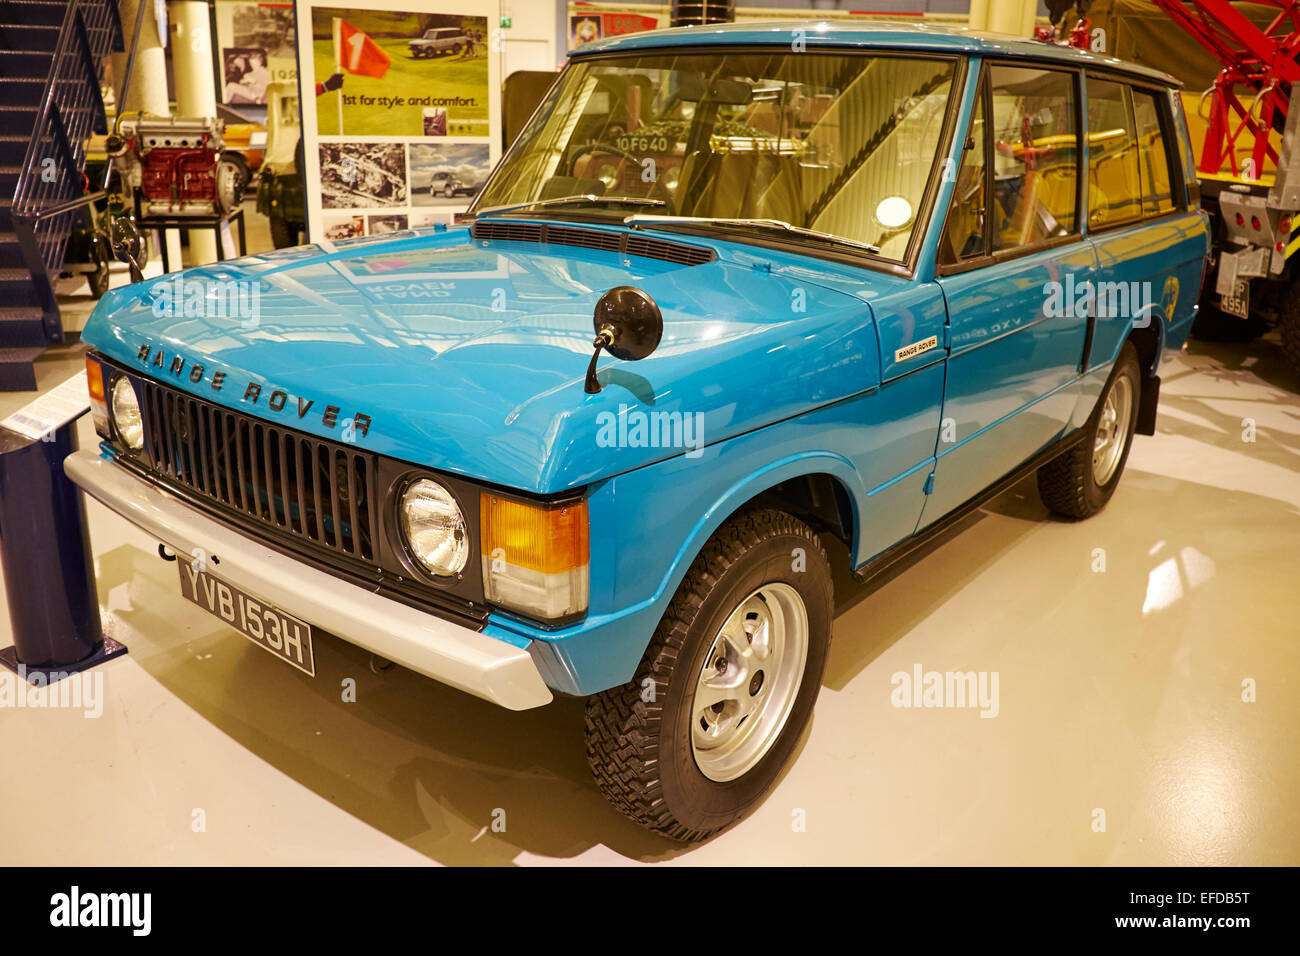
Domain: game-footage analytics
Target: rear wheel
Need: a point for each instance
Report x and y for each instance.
(284, 234)
(1214, 325)
(727, 686)
(1289, 326)
(1079, 482)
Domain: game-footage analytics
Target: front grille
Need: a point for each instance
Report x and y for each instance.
(627, 243)
(312, 490)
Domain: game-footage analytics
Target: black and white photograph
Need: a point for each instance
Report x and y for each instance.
(379, 225)
(246, 74)
(268, 26)
(362, 174)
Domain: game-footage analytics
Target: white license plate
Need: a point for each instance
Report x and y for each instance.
(1238, 303)
(265, 625)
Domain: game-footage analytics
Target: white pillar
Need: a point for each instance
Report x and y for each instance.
(979, 14)
(1008, 16)
(148, 92)
(196, 92)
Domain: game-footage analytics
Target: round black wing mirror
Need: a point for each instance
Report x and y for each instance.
(628, 326)
(127, 244)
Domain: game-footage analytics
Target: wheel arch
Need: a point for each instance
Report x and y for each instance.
(1149, 340)
(820, 487)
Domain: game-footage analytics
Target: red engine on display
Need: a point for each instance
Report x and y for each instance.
(175, 165)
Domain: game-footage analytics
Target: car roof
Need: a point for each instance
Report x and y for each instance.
(868, 34)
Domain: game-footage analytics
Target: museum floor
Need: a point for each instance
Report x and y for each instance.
(1119, 691)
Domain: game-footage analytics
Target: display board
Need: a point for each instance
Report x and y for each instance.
(255, 46)
(401, 113)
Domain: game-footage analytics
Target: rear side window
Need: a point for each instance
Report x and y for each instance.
(1114, 183)
(1157, 193)
(1035, 160)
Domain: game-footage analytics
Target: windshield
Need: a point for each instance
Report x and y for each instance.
(842, 144)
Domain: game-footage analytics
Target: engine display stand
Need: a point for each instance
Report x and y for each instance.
(195, 222)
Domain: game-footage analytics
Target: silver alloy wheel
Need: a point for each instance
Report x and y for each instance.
(1112, 430)
(749, 682)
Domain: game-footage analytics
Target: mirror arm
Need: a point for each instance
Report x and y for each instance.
(604, 339)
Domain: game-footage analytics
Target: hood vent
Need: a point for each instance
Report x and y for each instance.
(625, 243)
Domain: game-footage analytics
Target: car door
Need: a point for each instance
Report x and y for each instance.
(1014, 268)
(1150, 245)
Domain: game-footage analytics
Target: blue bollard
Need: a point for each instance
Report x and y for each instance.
(48, 574)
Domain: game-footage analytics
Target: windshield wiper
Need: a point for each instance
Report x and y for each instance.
(780, 225)
(586, 198)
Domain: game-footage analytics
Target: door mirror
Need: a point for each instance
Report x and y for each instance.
(127, 244)
(628, 326)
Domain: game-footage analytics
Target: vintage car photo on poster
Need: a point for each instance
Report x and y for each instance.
(447, 172)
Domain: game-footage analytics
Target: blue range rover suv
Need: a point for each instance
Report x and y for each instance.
(733, 291)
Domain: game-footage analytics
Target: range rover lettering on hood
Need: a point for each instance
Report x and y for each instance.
(276, 401)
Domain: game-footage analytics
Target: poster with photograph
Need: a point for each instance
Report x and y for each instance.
(256, 45)
(400, 111)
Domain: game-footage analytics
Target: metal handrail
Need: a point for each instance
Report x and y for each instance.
(51, 185)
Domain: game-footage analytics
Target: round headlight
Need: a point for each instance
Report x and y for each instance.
(126, 414)
(434, 528)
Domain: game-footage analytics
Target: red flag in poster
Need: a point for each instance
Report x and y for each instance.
(360, 54)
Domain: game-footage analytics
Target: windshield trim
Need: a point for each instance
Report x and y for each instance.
(905, 266)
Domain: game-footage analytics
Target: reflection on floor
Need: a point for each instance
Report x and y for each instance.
(1120, 646)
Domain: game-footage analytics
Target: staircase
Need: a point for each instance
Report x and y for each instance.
(51, 66)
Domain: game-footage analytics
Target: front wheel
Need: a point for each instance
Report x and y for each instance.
(727, 686)
(1078, 483)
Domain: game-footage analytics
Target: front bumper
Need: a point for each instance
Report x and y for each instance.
(475, 663)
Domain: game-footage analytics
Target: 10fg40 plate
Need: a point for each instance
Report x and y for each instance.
(266, 626)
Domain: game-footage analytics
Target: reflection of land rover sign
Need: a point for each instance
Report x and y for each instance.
(916, 348)
(277, 400)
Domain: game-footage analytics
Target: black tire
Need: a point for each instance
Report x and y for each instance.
(640, 751)
(284, 234)
(450, 192)
(1067, 483)
(1288, 320)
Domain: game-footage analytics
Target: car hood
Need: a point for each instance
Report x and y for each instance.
(470, 356)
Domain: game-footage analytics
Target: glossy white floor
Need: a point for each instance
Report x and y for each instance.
(1120, 700)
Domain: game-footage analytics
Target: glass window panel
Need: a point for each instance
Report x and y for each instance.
(1035, 170)
(1114, 183)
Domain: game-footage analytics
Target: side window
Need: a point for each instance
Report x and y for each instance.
(1035, 168)
(1114, 183)
(963, 233)
(1157, 194)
